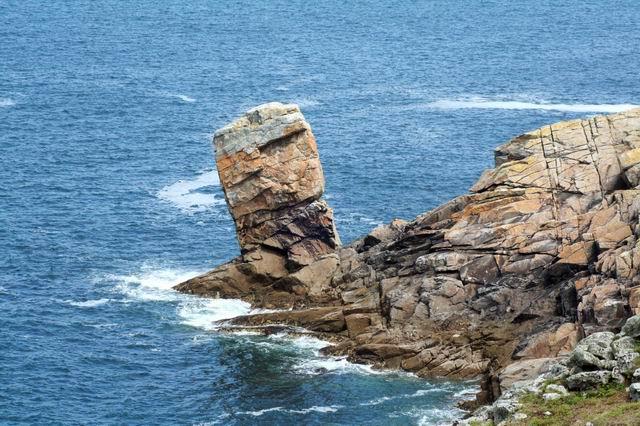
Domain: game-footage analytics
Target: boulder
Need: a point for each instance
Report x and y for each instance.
(524, 370)
(634, 392)
(584, 360)
(598, 345)
(631, 328)
(588, 380)
(626, 363)
(556, 389)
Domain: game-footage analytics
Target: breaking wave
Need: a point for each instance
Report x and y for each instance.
(156, 285)
(184, 98)
(317, 409)
(191, 196)
(6, 102)
(480, 103)
(88, 303)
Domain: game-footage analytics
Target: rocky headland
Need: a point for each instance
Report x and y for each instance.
(499, 283)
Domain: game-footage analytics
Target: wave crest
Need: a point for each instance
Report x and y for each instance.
(480, 103)
(6, 102)
(188, 195)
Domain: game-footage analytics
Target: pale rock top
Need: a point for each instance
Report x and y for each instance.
(259, 126)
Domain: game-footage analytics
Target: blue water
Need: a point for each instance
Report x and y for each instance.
(109, 194)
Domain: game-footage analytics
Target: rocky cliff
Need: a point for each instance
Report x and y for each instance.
(542, 251)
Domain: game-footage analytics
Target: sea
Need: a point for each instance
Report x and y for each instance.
(109, 194)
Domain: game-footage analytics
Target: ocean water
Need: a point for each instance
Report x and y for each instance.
(109, 194)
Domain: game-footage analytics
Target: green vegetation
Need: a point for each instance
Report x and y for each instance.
(604, 406)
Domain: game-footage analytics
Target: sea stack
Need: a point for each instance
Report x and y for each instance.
(272, 179)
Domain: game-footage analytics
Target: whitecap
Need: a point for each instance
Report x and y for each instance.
(468, 393)
(335, 365)
(88, 303)
(307, 103)
(378, 401)
(318, 409)
(202, 313)
(153, 284)
(436, 416)
(187, 195)
(258, 413)
(418, 393)
(315, 408)
(156, 285)
(6, 102)
(481, 103)
(183, 98)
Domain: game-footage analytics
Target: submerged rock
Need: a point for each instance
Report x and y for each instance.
(543, 251)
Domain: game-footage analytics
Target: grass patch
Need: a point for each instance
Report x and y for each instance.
(604, 406)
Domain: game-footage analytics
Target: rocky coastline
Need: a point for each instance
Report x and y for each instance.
(499, 283)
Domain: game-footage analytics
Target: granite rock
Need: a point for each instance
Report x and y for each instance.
(543, 250)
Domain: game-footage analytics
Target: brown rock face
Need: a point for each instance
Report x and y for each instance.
(544, 250)
(272, 178)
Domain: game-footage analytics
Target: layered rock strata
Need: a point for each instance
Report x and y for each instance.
(543, 251)
(272, 179)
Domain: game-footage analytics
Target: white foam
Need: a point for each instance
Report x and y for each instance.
(153, 284)
(436, 416)
(481, 103)
(202, 313)
(378, 401)
(156, 285)
(318, 409)
(468, 393)
(315, 408)
(88, 303)
(306, 102)
(418, 393)
(261, 412)
(183, 98)
(6, 102)
(336, 365)
(184, 194)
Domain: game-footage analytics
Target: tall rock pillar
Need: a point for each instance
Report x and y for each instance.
(272, 178)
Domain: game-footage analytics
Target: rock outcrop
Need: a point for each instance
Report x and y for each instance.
(543, 251)
(272, 179)
(603, 359)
